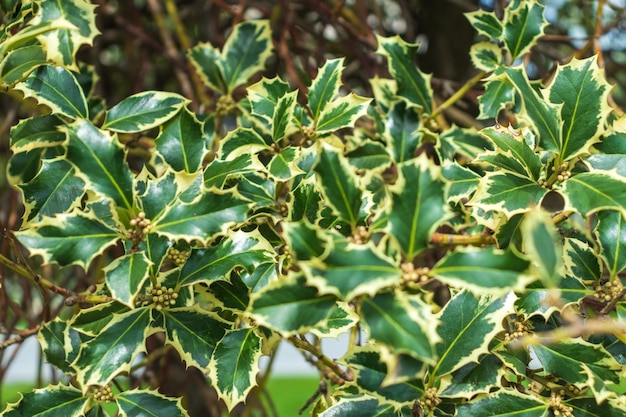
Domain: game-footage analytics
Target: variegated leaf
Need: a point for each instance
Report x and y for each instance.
(194, 333)
(126, 275)
(540, 113)
(56, 189)
(511, 152)
(37, 132)
(325, 86)
(205, 58)
(101, 162)
(481, 271)
(541, 243)
(504, 404)
(401, 131)
(235, 365)
(486, 23)
(498, 93)
(582, 90)
(143, 111)
(211, 214)
(413, 85)
(523, 25)
(468, 323)
(591, 192)
(580, 260)
(141, 402)
(265, 94)
(282, 120)
(181, 142)
(51, 401)
(245, 52)
(114, 348)
(419, 205)
(611, 235)
(405, 324)
(17, 64)
(341, 113)
(339, 185)
(62, 44)
(69, 239)
(57, 88)
(486, 56)
(240, 248)
(290, 307)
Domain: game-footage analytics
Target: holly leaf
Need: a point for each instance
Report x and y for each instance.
(50, 401)
(611, 234)
(126, 275)
(325, 86)
(505, 403)
(181, 142)
(148, 403)
(143, 111)
(523, 25)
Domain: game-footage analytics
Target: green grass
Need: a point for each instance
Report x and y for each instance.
(288, 393)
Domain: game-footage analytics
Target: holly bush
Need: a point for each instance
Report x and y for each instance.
(477, 272)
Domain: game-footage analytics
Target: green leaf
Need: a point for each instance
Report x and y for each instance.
(245, 52)
(538, 300)
(467, 326)
(371, 375)
(217, 172)
(403, 323)
(461, 182)
(486, 23)
(463, 145)
(290, 307)
(211, 214)
(505, 403)
(486, 56)
(282, 120)
(37, 132)
(181, 142)
(51, 401)
(581, 260)
(541, 244)
(401, 131)
(507, 193)
(240, 142)
(257, 188)
(194, 333)
(143, 111)
(90, 321)
(474, 378)
(56, 189)
(215, 262)
(58, 89)
(61, 45)
(369, 155)
(20, 62)
(588, 407)
(362, 406)
(341, 319)
(235, 365)
(341, 113)
(481, 271)
(114, 348)
(511, 153)
(413, 85)
(265, 94)
(537, 111)
(59, 343)
(305, 241)
(147, 403)
(101, 161)
(583, 92)
(325, 86)
(284, 165)
(205, 58)
(580, 362)
(419, 205)
(126, 275)
(591, 192)
(498, 93)
(522, 27)
(351, 270)
(69, 239)
(339, 185)
(611, 235)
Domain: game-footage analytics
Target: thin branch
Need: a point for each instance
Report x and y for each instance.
(471, 240)
(329, 363)
(459, 94)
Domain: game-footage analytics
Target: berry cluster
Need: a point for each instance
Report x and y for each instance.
(430, 401)
(225, 105)
(360, 236)
(558, 408)
(141, 227)
(609, 291)
(103, 394)
(161, 297)
(410, 274)
(179, 257)
(519, 329)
